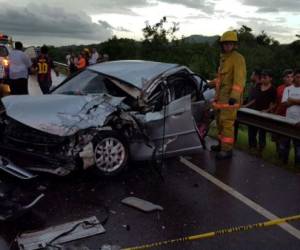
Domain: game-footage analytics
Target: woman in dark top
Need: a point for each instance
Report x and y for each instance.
(265, 99)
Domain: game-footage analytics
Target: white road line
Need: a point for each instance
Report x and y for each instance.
(259, 209)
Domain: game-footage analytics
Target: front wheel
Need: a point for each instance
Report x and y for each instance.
(110, 153)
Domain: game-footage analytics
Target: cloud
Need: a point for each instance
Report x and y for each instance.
(122, 29)
(108, 26)
(90, 6)
(43, 20)
(248, 19)
(111, 6)
(203, 5)
(285, 34)
(199, 16)
(267, 9)
(276, 5)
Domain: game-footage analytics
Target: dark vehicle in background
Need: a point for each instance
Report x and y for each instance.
(103, 117)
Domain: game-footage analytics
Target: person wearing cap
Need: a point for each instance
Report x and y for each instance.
(229, 90)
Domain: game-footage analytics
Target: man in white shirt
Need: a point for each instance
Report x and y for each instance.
(94, 57)
(68, 59)
(18, 70)
(291, 98)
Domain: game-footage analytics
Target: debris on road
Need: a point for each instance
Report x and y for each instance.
(41, 188)
(140, 204)
(127, 227)
(9, 167)
(110, 247)
(60, 234)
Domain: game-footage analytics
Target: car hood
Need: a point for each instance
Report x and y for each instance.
(62, 115)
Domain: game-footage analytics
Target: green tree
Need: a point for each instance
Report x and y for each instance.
(246, 37)
(158, 33)
(264, 39)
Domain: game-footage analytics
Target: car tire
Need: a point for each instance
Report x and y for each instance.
(110, 153)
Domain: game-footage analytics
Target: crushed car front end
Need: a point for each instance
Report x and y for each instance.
(57, 141)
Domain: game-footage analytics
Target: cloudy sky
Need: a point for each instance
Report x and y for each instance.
(64, 22)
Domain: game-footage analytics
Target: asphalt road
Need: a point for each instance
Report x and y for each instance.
(192, 204)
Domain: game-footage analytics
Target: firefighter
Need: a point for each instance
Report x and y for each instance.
(229, 89)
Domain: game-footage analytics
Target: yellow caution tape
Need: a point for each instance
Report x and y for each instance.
(216, 233)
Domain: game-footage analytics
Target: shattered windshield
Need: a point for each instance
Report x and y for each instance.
(90, 82)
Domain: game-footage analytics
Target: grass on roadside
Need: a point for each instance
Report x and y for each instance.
(269, 154)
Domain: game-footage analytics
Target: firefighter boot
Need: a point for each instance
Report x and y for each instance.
(222, 155)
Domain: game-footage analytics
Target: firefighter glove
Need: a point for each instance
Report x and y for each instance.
(231, 101)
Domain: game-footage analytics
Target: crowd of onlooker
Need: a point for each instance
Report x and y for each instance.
(85, 58)
(41, 64)
(20, 64)
(284, 100)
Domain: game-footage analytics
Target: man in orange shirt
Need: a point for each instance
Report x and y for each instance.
(81, 64)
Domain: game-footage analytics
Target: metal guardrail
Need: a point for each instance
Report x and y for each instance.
(270, 122)
(62, 67)
(60, 64)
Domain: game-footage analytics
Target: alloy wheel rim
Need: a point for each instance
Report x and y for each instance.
(110, 154)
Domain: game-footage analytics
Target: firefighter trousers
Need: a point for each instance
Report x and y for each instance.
(225, 119)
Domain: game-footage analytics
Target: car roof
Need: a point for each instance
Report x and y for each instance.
(136, 72)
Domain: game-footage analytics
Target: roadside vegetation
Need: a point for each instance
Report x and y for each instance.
(269, 154)
(197, 52)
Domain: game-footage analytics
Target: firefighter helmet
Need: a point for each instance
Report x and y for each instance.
(229, 36)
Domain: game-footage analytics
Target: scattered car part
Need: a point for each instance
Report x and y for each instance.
(14, 170)
(60, 234)
(140, 204)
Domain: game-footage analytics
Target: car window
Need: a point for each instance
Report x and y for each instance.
(182, 85)
(3, 51)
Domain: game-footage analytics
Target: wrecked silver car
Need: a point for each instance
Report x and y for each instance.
(103, 117)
